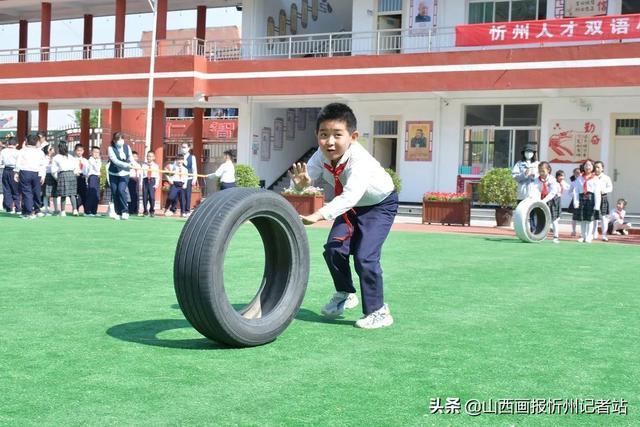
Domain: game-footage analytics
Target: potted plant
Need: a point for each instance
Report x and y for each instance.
(498, 187)
(246, 177)
(446, 208)
(305, 201)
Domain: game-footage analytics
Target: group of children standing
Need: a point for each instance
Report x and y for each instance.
(589, 188)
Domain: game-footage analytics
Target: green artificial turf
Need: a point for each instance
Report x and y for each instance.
(91, 333)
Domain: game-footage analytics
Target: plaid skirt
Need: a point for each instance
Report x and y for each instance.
(604, 207)
(585, 212)
(50, 186)
(67, 184)
(554, 207)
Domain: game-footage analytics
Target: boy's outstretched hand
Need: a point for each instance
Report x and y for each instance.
(300, 176)
(311, 219)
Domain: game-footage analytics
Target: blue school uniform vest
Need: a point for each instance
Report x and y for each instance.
(113, 169)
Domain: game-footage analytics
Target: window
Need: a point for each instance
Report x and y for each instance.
(627, 127)
(630, 6)
(389, 5)
(506, 10)
(494, 135)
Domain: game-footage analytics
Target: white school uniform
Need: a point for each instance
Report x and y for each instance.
(616, 216)
(226, 172)
(593, 186)
(154, 169)
(365, 182)
(180, 174)
(9, 157)
(606, 186)
(61, 163)
(81, 167)
(94, 167)
(31, 159)
(134, 173)
(553, 189)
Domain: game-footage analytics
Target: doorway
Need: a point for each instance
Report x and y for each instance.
(384, 150)
(624, 170)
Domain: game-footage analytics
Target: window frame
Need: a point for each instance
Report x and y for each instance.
(493, 18)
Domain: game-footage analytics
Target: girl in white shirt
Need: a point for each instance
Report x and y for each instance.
(64, 169)
(226, 173)
(606, 187)
(586, 200)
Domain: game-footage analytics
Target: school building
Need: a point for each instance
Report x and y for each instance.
(443, 90)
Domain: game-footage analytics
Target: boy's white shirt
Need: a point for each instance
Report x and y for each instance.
(155, 171)
(31, 159)
(365, 182)
(9, 157)
(93, 166)
(82, 165)
(177, 176)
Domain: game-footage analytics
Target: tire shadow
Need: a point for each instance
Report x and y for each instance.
(311, 316)
(503, 239)
(146, 332)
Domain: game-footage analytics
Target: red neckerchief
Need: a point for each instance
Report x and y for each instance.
(586, 179)
(338, 191)
(545, 189)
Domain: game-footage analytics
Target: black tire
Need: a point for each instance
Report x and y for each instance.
(523, 212)
(199, 264)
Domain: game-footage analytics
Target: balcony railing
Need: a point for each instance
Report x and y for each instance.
(345, 43)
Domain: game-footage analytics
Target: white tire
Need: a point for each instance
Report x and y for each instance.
(523, 212)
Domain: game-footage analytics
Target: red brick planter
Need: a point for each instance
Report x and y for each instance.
(305, 205)
(446, 212)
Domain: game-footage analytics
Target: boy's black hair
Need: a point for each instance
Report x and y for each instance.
(42, 134)
(75, 147)
(95, 147)
(63, 148)
(598, 162)
(548, 166)
(339, 112)
(32, 140)
(559, 173)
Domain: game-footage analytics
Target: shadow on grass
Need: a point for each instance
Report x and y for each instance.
(310, 316)
(146, 331)
(503, 239)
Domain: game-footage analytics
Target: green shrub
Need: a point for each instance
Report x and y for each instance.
(397, 182)
(103, 177)
(246, 177)
(498, 187)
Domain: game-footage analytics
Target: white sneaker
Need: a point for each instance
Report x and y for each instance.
(378, 319)
(125, 216)
(116, 217)
(581, 240)
(625, 232)
(75, 212)
(338, 302)
(605, 239)
(39, 214)
(596, 235)
(168, 213)
(63, 213)
(589, 239)
(556, 240)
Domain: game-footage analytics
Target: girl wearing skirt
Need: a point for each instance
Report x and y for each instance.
(547, 190)
(50, 185)
(586, 201)
(65, 168)
(606, 187)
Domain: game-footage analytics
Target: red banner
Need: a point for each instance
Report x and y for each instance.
(593, 28)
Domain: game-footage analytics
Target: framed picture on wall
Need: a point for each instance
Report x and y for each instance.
(278, 133)
(418, 139)
(422, 14)
(265, 145)
(291, 124)
(574, 141)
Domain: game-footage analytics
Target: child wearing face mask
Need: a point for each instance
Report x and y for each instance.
(119, 166)
(192, 168)
(525, 172)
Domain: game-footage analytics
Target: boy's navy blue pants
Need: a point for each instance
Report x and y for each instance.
(177, 192)
(133, 193)
(82, 191)
(10, 191)
(93, 195)
(31, 191)
(371, 225)
(148, 195)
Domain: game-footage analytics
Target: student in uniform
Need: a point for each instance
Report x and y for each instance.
(81, 178)
(178, 180)
(617, 224)
(525, 172)
(8, 158)
(134, 184)
(548, 191)
(192, 168)
(586, 200)
(150, 182)
(50, 193)
(363, 210)
(606, 187)
(226, 173)
(65, 169)
(576, 173)
(93, 171)
(30, 172)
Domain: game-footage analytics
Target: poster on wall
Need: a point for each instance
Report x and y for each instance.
(418, 141)
(291, 124)
(265, 145)
(574, 141)
(422, 14)
(278, 133)
(581, 8)
(301, 119)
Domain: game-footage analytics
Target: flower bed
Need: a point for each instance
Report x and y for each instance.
(305, 201)
(446, 208)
